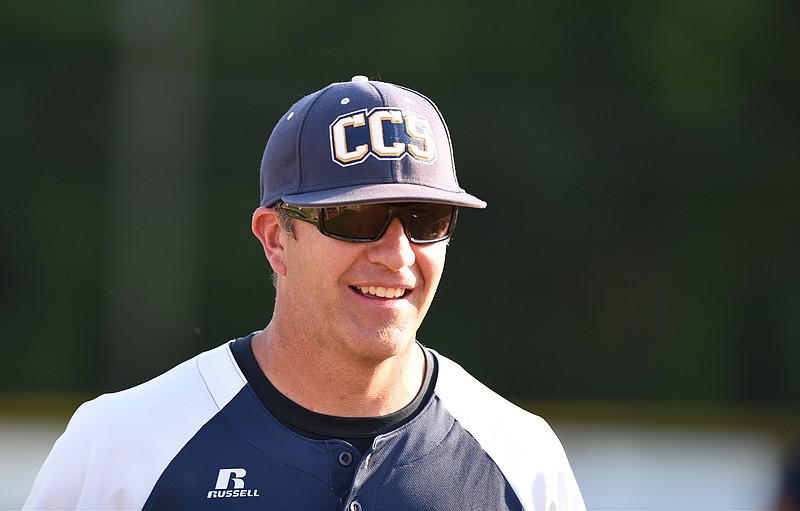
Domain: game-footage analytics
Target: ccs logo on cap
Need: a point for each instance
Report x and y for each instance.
(385, 133)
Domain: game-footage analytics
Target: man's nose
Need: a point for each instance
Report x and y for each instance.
(393, 249)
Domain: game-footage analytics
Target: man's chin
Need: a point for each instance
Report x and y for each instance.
(384, 343)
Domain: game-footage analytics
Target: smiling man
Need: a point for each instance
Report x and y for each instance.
(335, 404)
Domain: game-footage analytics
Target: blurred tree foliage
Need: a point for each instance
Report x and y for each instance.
(640, 160)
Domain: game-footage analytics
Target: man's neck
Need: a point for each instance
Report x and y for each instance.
(336, 382)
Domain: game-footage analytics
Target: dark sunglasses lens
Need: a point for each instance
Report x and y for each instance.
(423, 222)
(428, 222)
(357, 222)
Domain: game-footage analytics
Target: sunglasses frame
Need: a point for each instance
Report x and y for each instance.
(313, 215)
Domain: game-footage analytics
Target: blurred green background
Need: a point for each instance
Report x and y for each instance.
(640, 160)
(635, 278)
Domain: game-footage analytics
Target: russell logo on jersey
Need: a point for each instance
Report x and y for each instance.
(224, 478)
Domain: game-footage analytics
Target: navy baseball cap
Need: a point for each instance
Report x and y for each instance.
(361, 141)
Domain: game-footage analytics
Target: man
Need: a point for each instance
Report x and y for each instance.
(334, 404)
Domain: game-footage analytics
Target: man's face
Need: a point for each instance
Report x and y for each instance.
(365, 298)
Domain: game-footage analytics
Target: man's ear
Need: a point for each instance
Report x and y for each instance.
(267, 228)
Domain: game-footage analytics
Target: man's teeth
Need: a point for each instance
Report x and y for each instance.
(383, 292)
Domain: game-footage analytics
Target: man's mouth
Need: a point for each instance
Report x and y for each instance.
(380, 292)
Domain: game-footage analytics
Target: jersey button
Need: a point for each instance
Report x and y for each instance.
(346, 459)
(355, 506)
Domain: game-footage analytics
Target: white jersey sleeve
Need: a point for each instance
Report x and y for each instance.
(522, 444)
(116, 446)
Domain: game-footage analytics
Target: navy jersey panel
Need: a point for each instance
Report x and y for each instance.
(243, 459)
(431, 463)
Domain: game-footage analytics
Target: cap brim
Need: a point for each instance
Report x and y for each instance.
(383, 192)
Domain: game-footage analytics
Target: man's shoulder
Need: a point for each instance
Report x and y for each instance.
(506, 431)
(198, 386)
(467, 396)
(125, 439)
(522, 444)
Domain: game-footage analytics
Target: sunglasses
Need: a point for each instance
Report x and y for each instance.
(423, 222)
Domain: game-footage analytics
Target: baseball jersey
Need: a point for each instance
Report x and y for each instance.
(200, 436)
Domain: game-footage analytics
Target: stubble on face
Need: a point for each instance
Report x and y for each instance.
(324, 327)
(329, 314)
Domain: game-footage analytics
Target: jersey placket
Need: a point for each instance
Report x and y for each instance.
(384, 446)
(343, 461)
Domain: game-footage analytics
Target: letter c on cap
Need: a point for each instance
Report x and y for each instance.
(340, 139)
(376, 135)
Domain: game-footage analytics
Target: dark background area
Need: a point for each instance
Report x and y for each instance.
(641, 162)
